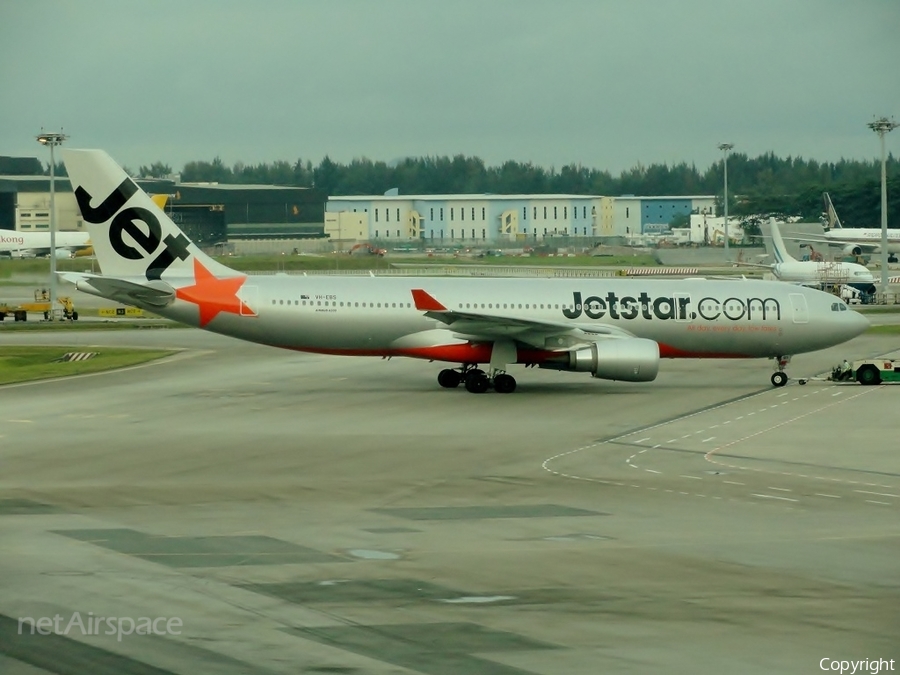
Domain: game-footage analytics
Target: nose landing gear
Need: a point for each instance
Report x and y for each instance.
(779, 377)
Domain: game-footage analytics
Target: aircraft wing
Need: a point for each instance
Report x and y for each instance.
(818, 239)
(757, 265)
(152, 293)
(540, 334)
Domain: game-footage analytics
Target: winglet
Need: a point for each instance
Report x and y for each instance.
(425, 302)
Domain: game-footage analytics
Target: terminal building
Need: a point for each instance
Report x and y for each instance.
(215, 214)
(475, 219)
(211, 214)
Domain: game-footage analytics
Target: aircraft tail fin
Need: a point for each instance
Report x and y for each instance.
(778, 248)
(831, 218)
(131, 235)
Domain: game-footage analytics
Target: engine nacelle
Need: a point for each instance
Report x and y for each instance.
(852, 249)
(626, 359)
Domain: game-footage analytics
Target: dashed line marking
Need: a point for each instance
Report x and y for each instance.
(784, 499)
(880, 494)
(707, 456)
(707, 440)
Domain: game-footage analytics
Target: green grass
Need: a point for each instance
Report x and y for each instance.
(893, 329)
(330, 261)
(128, 324)
(23, 364)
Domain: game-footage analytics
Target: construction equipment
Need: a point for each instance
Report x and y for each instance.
(41, 305)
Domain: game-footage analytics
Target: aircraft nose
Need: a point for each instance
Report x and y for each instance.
(854, 323)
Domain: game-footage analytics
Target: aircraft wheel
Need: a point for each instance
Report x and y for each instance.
(449, 379)
(504, 384)
(477, 383)
(779, 379)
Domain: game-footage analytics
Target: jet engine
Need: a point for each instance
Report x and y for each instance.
(627, 359)
(852, 249)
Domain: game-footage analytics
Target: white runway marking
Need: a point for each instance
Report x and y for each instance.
(880, 494)
(784, 499)
(708, 456)
(871, 501)
(707, 440)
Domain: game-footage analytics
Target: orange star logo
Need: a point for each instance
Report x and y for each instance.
(213, 295)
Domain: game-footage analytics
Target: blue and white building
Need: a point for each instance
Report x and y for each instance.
(462, 218)
(474, 219)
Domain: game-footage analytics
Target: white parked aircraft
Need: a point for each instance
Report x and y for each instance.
(853, 241)
(615, 329)
(30, 244)
(810, 272)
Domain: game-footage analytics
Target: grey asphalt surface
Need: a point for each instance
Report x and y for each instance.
(304, 513)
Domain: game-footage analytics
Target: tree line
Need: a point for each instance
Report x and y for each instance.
(769, 184)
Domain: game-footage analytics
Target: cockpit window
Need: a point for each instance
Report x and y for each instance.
(835, 307)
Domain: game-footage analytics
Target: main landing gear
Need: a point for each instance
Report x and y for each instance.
(476, 380)
(779, 377)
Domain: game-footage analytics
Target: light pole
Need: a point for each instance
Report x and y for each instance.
(52, 139)
(725, 147)
(881, 127)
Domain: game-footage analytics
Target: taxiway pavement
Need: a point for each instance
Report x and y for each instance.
(305, 513)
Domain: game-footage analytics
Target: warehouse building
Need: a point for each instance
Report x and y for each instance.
(464, 219)
(209, 213)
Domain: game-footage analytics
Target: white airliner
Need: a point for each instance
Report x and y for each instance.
(853, 241)
(30, 244)
(788, 268)
(615, 329)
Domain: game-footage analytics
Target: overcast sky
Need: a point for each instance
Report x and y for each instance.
(603, 83)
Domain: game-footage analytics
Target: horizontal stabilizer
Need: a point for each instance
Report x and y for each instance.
(152, 293)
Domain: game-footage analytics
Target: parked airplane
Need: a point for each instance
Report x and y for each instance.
(30, 244)
(615, 329)
(810, 272)
(853, 241)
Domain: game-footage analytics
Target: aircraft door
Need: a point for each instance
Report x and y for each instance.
(800, 311)
(248, 297)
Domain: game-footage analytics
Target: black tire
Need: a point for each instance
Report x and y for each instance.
(779, 379)
(74, 316)
(504, 384)
(868, 375)
(477, 383)
(449, 379)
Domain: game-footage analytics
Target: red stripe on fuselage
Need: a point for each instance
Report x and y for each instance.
(481, 353)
